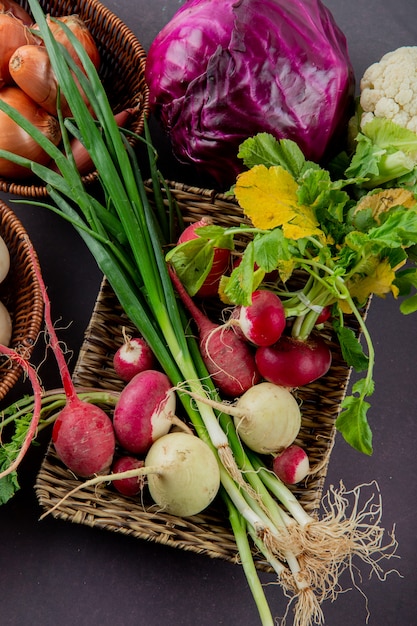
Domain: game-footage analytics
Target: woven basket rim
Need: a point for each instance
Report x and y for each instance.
(27, 312)
(140, 99)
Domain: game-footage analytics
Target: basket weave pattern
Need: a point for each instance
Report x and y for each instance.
(122, 71)
(21, 295)
(208, 532)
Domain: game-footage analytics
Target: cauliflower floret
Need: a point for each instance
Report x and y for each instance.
(389, 88)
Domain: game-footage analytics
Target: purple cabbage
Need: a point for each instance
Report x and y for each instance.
(223, 70)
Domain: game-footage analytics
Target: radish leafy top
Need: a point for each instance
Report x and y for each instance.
(349, 249)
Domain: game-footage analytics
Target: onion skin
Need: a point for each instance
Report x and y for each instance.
(14, 139)
(13, 8)
(30, 68)
(13, 33)
(80, 30)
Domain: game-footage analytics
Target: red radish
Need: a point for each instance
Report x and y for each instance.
(228, 358)
(292, 465)
(263, 321)
(132, 357)
(292, 363)
(220, 264)
(83, 433)
(84, 438)
(324, 315)
(144, 411)
(128, 486)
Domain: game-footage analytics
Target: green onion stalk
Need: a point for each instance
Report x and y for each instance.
(126, 236)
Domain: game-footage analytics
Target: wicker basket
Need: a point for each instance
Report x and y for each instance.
(209, 532)
(122, 72)
(21, 295)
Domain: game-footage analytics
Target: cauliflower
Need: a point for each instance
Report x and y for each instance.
(389, 89)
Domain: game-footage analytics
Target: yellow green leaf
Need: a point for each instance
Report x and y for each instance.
(268, 196)
(380, 282)
(385, 200)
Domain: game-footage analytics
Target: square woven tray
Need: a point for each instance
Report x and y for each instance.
(208, 532)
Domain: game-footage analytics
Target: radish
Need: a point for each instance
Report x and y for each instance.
(220, 264)
(83, 433)
(324, 315)
(6, 325)
(267, 418)
(132, 357)
(182, 471)
(292, 362)
(144, 411)
(263, 321)
(229, 359)
(187, 476)
(128, 486)
(292, 465)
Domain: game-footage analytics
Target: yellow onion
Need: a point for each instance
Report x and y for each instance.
(13, 33)
(30, 68)
(80, 30)
(14, 139)
(12, 7)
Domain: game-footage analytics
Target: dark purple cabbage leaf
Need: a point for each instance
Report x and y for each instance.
(223, 70)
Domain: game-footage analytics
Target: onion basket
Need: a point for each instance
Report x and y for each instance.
(122, 72)
(21, 295)
(209, 532)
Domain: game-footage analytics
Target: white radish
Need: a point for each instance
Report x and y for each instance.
(4, 260)
(144, 411)
(267, 418)
(292, 465)
(6, 326)
(187, 476)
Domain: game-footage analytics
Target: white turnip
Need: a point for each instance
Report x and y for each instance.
(228, 358)
(4, 260)
(267, 418)
(292, 465)
(292, 363)
(144, 411)
(6, 325)
(187, 477)
(132, 357)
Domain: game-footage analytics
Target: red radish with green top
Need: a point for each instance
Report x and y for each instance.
(144, 411)
(221, 260)
(263, 321)
(228, 358)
